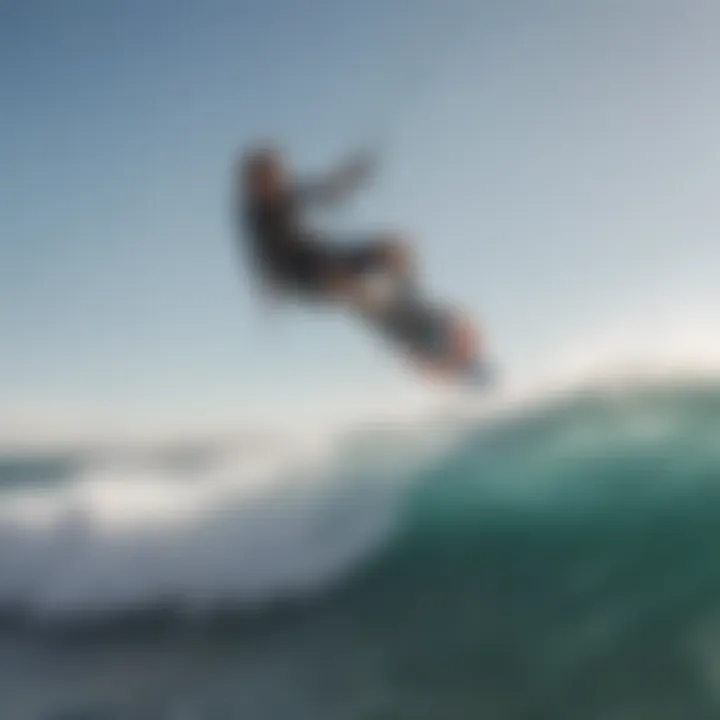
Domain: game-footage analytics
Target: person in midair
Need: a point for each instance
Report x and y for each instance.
(293, 259)
(289, 256)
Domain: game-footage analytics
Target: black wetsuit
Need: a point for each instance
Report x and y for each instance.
(286, 251)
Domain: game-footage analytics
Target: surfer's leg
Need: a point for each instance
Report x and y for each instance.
(387, 253)
(338, 285)
(338, 271)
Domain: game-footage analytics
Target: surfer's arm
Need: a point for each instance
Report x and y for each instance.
(336, 185)
(262, 286)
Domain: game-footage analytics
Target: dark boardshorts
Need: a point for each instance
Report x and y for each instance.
(309, 266)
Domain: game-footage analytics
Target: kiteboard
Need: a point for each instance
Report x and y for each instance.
(444, 342)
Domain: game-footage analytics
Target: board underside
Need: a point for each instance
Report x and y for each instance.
(427, 331)
(416, 325)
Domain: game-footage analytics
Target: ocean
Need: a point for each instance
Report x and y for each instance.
(553, 558)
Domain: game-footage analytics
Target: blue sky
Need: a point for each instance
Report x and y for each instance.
(557, 164)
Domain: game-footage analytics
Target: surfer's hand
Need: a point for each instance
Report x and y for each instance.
(355, 171)
(341, 181)
(362, 165)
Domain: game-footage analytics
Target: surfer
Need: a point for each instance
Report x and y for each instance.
(292, 258)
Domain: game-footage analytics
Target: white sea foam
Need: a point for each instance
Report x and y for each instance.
(241, 529)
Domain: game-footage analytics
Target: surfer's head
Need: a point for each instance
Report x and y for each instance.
(262, 172)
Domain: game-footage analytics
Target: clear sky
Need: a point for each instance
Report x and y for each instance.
(557, 163)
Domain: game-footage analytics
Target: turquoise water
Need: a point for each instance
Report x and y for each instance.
(558, 560)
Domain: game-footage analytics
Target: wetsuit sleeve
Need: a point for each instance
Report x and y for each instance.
(339, 183)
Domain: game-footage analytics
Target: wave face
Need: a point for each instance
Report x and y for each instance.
(556, 557)
(110, 533)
